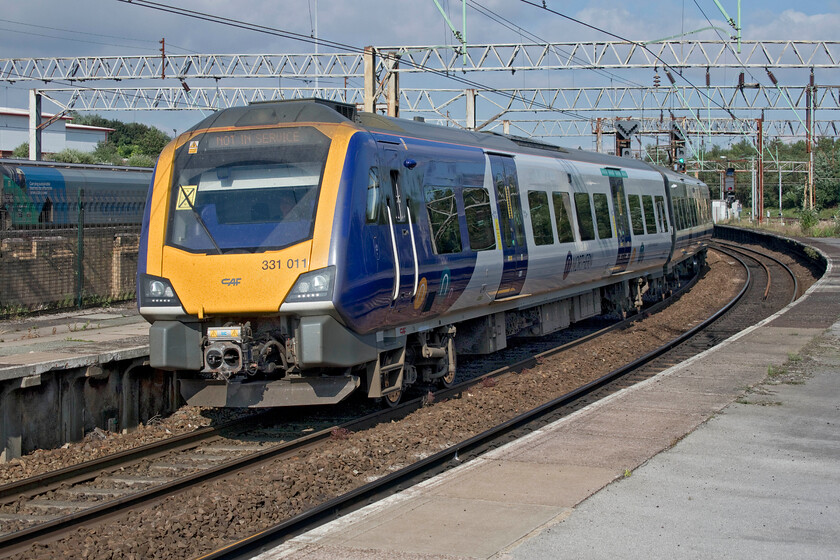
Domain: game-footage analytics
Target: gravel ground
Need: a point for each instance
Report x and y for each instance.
(201, 520)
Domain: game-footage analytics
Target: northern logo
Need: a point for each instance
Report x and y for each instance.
(568, 267)
(580, 262)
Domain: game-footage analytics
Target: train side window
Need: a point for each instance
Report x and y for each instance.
(660, 210)
(583, 209)
(443, 217)
(678, 214)
(479, 219)
(650, 217)
(540, 217)
(374, 196)
(562, 210)
(634, 201)
(602, 215)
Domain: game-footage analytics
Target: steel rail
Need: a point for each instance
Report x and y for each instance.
(735, 247)
(88, 470)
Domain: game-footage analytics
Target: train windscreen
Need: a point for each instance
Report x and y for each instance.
(246, 190)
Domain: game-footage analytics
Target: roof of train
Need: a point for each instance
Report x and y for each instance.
(317, 110)
(11, 162)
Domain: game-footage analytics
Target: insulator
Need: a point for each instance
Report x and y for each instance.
(656, 80)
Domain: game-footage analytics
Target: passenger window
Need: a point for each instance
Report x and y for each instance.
(562, 210)
(583, 209)
(479, 219)
(635, 203)
(540, 218)
(443, 217)
(681, 214)
(650, 217)
(374, 196)
(602, 215)
(660, 210)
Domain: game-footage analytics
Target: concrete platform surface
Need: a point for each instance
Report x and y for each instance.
(710, 459)
(35, 345)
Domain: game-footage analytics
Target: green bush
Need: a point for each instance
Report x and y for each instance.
(22, 151)
(70, 155)
(141, 160)
(807, 220)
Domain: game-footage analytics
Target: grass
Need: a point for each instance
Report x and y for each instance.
(776, 371)
(744, 400)
(815, 225)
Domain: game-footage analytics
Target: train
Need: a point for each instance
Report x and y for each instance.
(295, 252)
(46, 193)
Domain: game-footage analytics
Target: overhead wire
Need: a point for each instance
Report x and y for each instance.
(504, 22)
(63, 30)
(664, 64)
(204, 16)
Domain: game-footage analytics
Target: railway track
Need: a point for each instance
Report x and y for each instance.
(212, 460)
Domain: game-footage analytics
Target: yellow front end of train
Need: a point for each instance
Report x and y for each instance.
(239, 224)
(216, 239)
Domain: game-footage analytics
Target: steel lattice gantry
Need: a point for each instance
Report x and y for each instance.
(754, 55)
(651, 106)
(635, 100)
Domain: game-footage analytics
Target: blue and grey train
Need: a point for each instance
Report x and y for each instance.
(294, 252)
(47, 193)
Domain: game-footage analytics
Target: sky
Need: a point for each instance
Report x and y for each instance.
(61, 28)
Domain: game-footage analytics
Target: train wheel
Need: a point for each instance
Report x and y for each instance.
(449, 379)
(393, 398)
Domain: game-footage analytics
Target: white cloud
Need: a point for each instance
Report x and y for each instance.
(792, 24)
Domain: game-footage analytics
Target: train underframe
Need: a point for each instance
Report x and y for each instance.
(289, 361)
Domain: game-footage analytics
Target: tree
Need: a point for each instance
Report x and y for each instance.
(827, 173)
(22, 151)
(126, 139)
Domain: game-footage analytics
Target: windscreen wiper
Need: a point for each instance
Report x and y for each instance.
(198, 218)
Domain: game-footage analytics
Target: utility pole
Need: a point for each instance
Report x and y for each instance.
(598, 135)
(370, 80)
(35, 125)
(759, 122)
(810, 110)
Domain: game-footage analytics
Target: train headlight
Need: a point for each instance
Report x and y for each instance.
(158, 289)
(313, 286)
(153, 291)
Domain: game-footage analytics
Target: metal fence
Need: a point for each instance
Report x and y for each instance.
(75, 251)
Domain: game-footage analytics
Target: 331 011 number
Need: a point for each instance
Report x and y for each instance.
(280, 264)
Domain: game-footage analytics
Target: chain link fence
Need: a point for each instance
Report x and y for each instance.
(69, 251)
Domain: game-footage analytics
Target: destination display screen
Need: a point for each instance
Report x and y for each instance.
(261, 138)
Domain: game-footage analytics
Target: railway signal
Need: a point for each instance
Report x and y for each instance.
(624, 131)
(677, 147)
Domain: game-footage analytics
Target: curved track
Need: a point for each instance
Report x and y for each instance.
(220, 460)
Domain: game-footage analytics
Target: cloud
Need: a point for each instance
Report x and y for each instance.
(792, 24)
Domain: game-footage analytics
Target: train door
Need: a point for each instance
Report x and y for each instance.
(402, 225)
(511, 226)
(622, 221)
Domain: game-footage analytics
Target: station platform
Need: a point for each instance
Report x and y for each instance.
(35, 345)
(730, 454)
